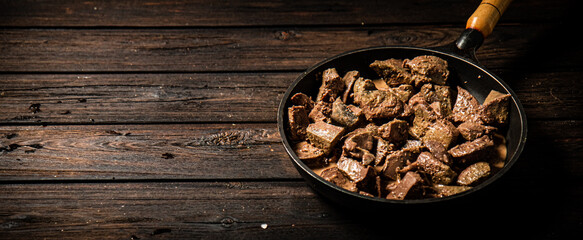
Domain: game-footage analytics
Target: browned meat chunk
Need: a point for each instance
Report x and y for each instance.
(396, 161)
(439, 172)
(359, 138)
(298, 122)
(324, 135)
(444, 96)
(362, 90)
(383, 150)
(331, 81)
(466, 107)
(441, 131)
(423, 97)
(378, 186)
(394, 131)
(494, 110)
(403, 92)
(408, 187)
(447, 190)
(440, 98)
(307, 151)
(323, 108)
(301, 99)
(468, 152)
(358, 143)
(414, 146)
(376, 103)
(437, 110)
(349, 79)
(428, 69)
(472, 130)
(398, 137)
(367, 158)
(373, 129)
(439, 151)
(423, 118)
(346, 115)
(392, 71)
(355, 170)
(474, 174)
(334, 175)
(382, 105)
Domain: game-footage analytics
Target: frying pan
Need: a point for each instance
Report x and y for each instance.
(465, 71)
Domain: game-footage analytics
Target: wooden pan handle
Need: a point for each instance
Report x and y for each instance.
(487, 15)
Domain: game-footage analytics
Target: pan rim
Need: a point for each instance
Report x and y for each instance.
(510, 160)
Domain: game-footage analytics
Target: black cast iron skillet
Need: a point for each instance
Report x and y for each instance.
(464, 71)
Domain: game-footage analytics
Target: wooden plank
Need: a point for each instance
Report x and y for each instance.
(257, 210)
(215, 97)
(255, 49)
(256, 13)
(139, 98)
(185, 151)
(203, 151)
(548, 95)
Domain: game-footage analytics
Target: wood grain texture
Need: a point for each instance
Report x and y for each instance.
(255, 13)
(213, 151)
(255, 49)
(142, 98)
(156, 119)
(216, 97)
(204, 151)
(254, 210)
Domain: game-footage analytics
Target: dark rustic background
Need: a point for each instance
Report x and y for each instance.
(156, 119)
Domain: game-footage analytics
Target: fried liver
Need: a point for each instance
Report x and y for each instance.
(439, 172)
(396, 161)
(441, 131)
(324, 135)
(346, 115)
(428, 69)
(466, 107)
(394, 131)
(298, 122)
(300, 99)
(334, 175)
(392, 71)
(401, 136)
(332, 82)
(474, 173)
(406, 187)
(355, 171)
(307, 151)
(471, 151)
(471, 130)
(494, 110)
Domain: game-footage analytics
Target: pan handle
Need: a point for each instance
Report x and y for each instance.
(487, 15)
(481, 24)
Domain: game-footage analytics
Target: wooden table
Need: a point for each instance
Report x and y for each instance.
(157, 119)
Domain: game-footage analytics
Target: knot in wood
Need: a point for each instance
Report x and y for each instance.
(34, 108)
(227, 222)
(402, 39)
